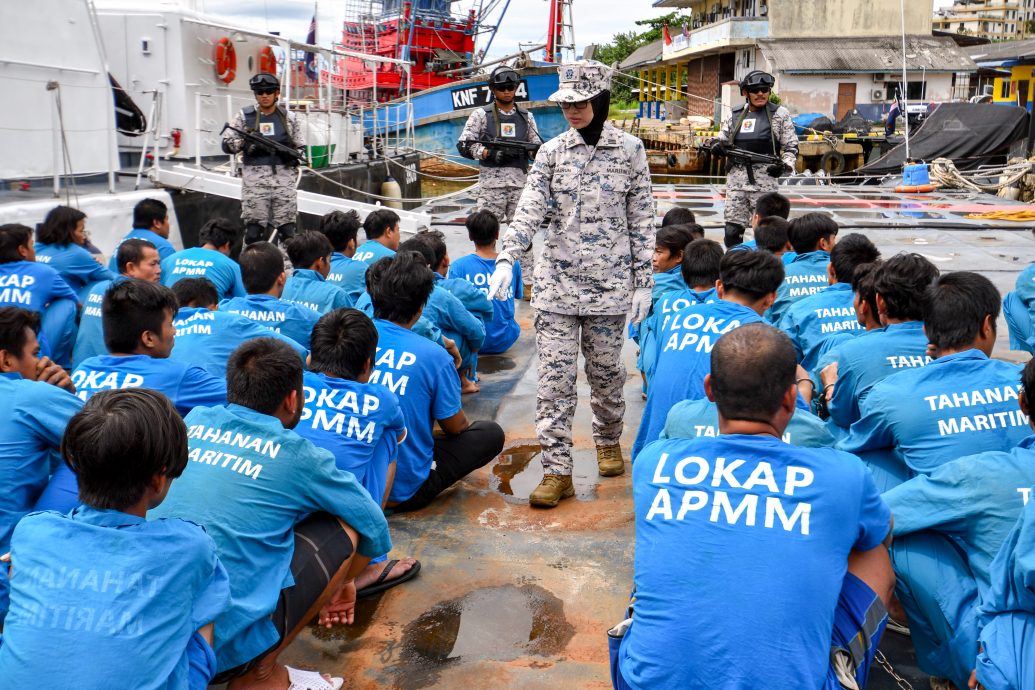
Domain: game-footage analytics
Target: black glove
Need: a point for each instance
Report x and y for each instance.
(720, 147)
(500, 156)
(775, 170)
(286, 158)
(254, 150)
(464, 147)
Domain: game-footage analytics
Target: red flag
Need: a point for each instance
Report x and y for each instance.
(666, 35)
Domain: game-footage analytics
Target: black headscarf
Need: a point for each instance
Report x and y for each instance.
(601, 104)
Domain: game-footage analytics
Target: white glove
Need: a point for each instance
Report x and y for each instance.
(640, 304)
(500, 282)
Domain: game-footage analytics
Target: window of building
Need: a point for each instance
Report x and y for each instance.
(1004, 89)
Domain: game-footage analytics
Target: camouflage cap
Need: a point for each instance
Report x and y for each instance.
(581, 81)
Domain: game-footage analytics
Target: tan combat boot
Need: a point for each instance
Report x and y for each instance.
(609, 461)
(551, 490)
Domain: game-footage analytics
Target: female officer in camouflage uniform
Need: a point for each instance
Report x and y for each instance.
(596, 263)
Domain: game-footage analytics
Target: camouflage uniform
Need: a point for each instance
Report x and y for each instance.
(268, 194)
(740, 194)
(500, 188)
(596, 250)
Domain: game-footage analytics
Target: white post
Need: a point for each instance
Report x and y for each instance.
(308, 139)
(55, 125)
(147, 139)
(197, 129)
(905, 82)
(230, 118)
(373, 110)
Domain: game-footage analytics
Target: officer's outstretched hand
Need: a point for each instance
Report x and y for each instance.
(640, 304)
(500, 282)
(775, 170)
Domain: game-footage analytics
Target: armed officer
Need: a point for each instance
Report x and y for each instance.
(268, 179)
(502, 175)
(760, 127)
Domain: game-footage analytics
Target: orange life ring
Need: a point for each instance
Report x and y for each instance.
(226, 60)
(267, 60)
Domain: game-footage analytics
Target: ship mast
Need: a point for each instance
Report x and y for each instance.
(560, 34)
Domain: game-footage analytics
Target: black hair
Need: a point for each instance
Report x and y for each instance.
(700, 265)
(850, 251)
(753, 274)
(864, 284)
(119, 441)
(306, 248)
(902, 283)
(806, 231)
(148, 212)
(261, 373)
(261, 265)
(483, 228)
(437, 242)
(956, 306)
(130, 308)
(753, 366)
(13, 324)
(340, 227)
(343, 340)
(771, 234)
(131, 251)
(678, 215)
(401, 288)
(378, 222)
(59, 225)
(376, 270)
(195, 292)
(674, 238)
(773, 204)
(13, 236)
(1028, 381)
(220, 231)
(419, 246)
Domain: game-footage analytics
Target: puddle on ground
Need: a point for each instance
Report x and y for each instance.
(493, 364)
(364, 616)
(518, 470)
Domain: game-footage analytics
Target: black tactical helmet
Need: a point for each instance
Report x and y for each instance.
(264, 80)
(504, 75)
(756, 78)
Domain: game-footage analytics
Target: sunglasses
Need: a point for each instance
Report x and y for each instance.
(505, 87)
(581, 105)
(758, 89)
(265, 92)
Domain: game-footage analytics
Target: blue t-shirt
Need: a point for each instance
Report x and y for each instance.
(103, 599)
(449, 314)
(813, 319)
(185, 385)
(89, 341)
(742, 545)
(74, 264)
(805, 275)
(662, 311)
(248, 482)
(206, 338)
(668, 281)
(695, 418)
(310, 289)
(348, 274)
(868, 358)
(1025, 289)
(502, 330)
(350, 419)
(423, 377)
(975, 500)
(959, 404)
(287, 318)
(683, 355)
(164, 247)
(424, 327)
(372, 250)
(33, 286)
(198, 262)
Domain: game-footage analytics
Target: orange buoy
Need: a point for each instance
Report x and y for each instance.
(267, 60)
(226, 60)
(916, 188)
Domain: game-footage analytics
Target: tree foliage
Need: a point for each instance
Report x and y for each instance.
(623, 44)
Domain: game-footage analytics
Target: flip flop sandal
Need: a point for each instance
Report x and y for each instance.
(381, 584)
(311, 680)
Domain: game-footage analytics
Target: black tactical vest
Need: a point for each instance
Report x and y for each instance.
(515, 123)
(752, 130)
(272, 126)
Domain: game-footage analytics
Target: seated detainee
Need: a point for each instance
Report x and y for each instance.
(383, 237)
(746, 288)
(205, 336)
(291, 528)
(139, 334)
(949, 526)
(961, 403)
(670, 243)
(502, 330)
(27, 284)
(347, 272)
(102, 597)
(815, 318)
(36, 411)
(769, 205)
(424, 378)
(899, 287)
(360, 422)
(310, 255)
(135, 258)
(59, 244)
(219, 239)
(812, 236)
(771, 235)
(694, 418)
(677, 215)
(1007, 622)
(796, 537)
(151, 223)
(262, 269)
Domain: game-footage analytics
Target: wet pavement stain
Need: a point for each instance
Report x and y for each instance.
(364, 616)
(518, 470)
(493, 364)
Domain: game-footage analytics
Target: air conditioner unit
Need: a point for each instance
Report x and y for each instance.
(879, 78)
(877, 95)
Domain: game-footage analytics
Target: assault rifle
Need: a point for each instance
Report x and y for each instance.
(285, 152)
(521, 150)
(750, 159)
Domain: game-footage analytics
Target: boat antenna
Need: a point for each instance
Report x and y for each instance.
(905, 83)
